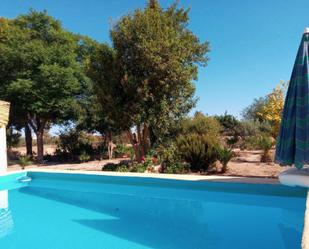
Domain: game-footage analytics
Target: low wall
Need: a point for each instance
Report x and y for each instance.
(3, 154)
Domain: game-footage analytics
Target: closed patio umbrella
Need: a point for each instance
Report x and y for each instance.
(293, 141)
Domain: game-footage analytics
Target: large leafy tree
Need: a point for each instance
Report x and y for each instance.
(110, 102)
(155, 60)
(41, 71)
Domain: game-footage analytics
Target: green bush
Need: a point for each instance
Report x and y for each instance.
(265, 143)
(229, 123)
(123, 150)
(200, 151)
(168, 156)
(12, 137)
(224, 156)
(139, 168)
(122, 168)
(128, 166)
(24, 161)
(202, 125)
(254, 128)
(110, 167)
(84, 157)
(73, 143)
(101, 150)
(177, 168)
(250, 143)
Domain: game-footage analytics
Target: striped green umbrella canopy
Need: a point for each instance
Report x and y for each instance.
(293, 141)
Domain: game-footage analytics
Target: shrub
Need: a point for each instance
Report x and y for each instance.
(265, 142)
(123, 150)
(84, 157)
(122, 168)
(199, 151)
(224, 156)
(229, 123)
(110, 167)
(12, 137)
(250, 143)
(139, 168)
(254, 128)
(177, 168)
(202, 125)
(72, 144)
(142, 167)
(167, 156)
(101, 151)
(24, 161)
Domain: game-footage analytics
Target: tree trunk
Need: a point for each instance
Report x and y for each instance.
(28, 138)
(40, 146)
(146, 139)
(38, 126)
(135, 146)
(140, 144)
(110, 145)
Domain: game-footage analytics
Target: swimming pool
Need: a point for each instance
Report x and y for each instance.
(76, 211)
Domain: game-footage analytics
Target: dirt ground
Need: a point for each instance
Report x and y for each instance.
(246, 163)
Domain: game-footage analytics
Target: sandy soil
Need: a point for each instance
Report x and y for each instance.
(48, 149)
(247, 163)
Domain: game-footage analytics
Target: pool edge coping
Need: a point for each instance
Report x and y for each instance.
(184, 177)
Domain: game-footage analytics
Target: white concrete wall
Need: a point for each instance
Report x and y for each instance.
(3, 155)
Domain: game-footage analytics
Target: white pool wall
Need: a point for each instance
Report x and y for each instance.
(3, 153)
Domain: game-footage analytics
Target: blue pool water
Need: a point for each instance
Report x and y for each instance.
(71, 211)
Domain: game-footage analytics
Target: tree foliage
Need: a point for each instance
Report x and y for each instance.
(146, 79)
(251, 112)
(201, 125)
(41, 74)
(272, 110)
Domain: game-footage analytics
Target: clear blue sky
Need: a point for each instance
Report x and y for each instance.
(253, 43)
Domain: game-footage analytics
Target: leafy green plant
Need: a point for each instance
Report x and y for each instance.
(24, 161)
(110, 167)
(139, 168)
(224, 156)
(72, 144)
(84, 157)
(167, 156)
(142, 167)
(250, 143)
(265, 143)
(199, 151)
(123, 150)
(202, 125)
(177, 168)
(122, 168)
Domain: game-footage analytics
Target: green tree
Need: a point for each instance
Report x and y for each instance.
(156, 58)
(110, 100)
(201, 125)
(251, 112)
(42, 72)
